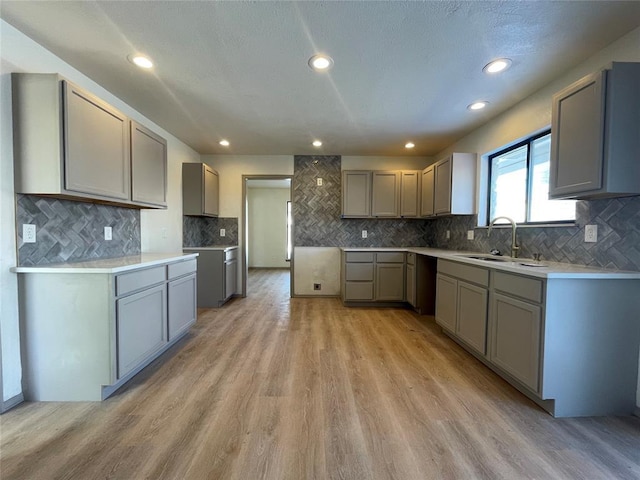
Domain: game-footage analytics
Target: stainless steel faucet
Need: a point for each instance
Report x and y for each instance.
(514, 244)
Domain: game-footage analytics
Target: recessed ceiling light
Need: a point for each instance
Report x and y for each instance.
(477, 105)
(224, 143)
(320, 63)
(141, 61)
(317, 143)
(409, 145)
(498, 65)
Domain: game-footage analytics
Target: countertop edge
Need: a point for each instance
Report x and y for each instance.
(109, 265)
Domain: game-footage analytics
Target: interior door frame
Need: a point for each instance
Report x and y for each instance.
(245, 230)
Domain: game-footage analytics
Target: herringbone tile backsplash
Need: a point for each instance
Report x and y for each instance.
(205, 231)
(317, 221)
(69, 231)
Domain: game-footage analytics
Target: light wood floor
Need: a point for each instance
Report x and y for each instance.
(269, 387)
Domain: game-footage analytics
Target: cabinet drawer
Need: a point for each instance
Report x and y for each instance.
(130, 282)
(359, 272)
(230, 254)
(411, 258)
(358, 291)
(524, 287)
(181, 268)
(362, 257)
(390, 257)
(469, 273)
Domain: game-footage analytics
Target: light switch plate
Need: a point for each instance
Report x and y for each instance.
(28, 233)
(470, 235)
(591, 233)
(448, 234)
(108, 233)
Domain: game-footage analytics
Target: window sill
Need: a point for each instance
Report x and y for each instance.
(530, 225)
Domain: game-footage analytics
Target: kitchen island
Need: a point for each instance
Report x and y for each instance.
(89, 327)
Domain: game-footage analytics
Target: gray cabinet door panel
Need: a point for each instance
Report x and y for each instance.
(211, 189)
(428, 183)
(96, 146)
(446, 302)
(182, 305)
(359, 272)
(141, 327)
(472, 315)
(578, 137)
(411, 285)
(389, 282)
(409, 193)
(442, 187)
(385, 194)
(148, 166)
(358, 291)
(230, 278)
(356, 193)
(515, 342)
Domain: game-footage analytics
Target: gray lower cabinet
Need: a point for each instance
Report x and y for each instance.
(71, 144)
(411, 280)
(515, 338)
(373, 277)
(85, 334)
(594, 137)
(200, 190)
(217, 275)
(462, 302)
(141, 325)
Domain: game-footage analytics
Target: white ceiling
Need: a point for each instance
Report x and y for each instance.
(403, 70)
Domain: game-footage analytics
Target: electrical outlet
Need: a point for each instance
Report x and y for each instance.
(319, 181)
(470, 235)
(317, 286)
(108, 233)
(223, 232)
(163, 232)
(364, 234)
(591, 233)
(28, 233)
(448, 234)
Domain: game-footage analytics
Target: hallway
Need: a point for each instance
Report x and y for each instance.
(269, 387)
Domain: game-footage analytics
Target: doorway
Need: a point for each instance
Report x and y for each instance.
(267, 225)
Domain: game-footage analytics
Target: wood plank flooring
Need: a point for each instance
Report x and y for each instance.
(269, 387)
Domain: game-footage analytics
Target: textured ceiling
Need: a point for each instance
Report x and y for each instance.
(403, 70)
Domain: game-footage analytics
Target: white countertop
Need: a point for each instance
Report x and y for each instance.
(223, 248)
(108, 265)
(546, 270)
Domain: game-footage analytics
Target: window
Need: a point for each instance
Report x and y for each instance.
(519, 184)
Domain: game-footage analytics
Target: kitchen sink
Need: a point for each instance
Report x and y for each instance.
(488, 258)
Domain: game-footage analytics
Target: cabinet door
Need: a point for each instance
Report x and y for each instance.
(182, 305)
(385, 194)
(211, 192)
(442, 187)
(577, 137)
(148, 167)
(446, 302)
(230, 278)
(141, 327)
(356, 194)
(411, 285)
(389, 282)
(428, 183)
(515, 338)
(472, 315)
(96, 146)
(409, 193)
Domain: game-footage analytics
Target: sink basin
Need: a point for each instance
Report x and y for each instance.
(488, 258)
(530, 264)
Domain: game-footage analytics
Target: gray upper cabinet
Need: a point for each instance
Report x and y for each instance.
(454, 185)
(595, 143)
(200, 190)
(148, 166)
(385, 194)
(410, 193)
(96, 146)
(428, 183)
(356, 193)
(71, 144)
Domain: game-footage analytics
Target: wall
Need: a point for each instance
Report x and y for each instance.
(205, 231)
(267, 208)
(160, 230)
(618, 220)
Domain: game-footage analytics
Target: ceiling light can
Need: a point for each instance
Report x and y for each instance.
(317, 143)
(224, 143)
(497, 65)
(320, 62)
(141, 61)
(409, 145)
(477, 105)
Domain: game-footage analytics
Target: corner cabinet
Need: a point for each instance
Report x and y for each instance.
(449, 186)
(200, 190)
(87, 330)
(70, 144)
(595, 144)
